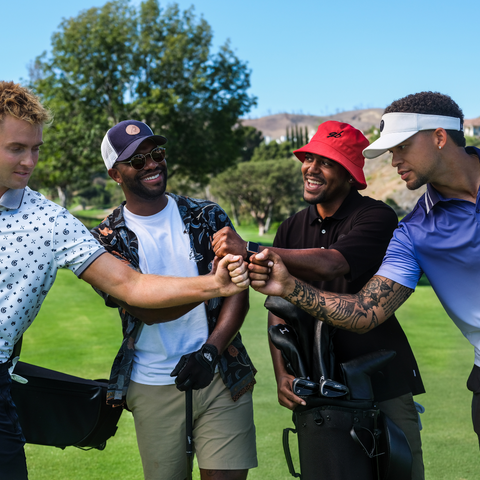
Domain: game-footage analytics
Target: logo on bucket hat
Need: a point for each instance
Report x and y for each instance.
(335, 134)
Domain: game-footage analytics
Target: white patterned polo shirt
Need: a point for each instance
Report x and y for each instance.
(37, 237)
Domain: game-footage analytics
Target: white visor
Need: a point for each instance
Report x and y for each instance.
(395, 128)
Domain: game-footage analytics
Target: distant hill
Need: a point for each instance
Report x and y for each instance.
(383, 181)
(275, 126)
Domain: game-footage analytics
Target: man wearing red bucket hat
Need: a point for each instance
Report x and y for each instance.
(337, 244)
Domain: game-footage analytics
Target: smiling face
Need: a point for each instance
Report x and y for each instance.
(19, 148)
(144, 189)
(417, 160)
(325, 182)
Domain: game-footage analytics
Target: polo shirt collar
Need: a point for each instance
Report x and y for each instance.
(432, 197)
(12, 199)
(345, 209)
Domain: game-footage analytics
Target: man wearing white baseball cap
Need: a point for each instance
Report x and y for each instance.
(440, 237)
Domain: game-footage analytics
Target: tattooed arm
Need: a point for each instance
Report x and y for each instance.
(376, 302)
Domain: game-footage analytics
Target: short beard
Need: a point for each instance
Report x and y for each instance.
(136, 187)
(419, 182)
(315, 200)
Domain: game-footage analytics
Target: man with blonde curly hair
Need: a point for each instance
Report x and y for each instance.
(39, 237)
(22, 117)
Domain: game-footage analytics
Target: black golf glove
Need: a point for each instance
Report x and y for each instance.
(195, 370)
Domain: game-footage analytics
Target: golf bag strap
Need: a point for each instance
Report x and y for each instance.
(353, 434)
(288, 455)
(373, 453)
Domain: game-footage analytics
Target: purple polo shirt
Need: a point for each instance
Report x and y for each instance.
(441, 238)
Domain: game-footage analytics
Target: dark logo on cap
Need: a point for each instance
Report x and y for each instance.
(132, 130)
(382, 125)
(335, 134)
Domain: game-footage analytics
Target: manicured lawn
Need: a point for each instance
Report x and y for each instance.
(251, 233)
(76, 334)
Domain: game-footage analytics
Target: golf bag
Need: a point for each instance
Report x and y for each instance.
(341, 433)
(61, 410)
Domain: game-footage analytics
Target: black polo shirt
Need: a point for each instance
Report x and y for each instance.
(360, 230)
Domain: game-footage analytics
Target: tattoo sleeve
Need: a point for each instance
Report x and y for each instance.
(376, 302)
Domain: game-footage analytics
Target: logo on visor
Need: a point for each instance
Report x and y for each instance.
(335, 134)
(382, 125)
(132, 130)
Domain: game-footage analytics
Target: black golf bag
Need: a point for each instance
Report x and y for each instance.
(341, 433)
(61, 410)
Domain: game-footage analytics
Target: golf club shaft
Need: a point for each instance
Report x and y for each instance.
(189, 431)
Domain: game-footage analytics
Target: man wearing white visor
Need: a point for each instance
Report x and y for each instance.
(440, 237)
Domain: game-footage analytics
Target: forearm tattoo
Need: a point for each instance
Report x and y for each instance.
(376, 302)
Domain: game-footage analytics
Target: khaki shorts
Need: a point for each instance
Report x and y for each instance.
(223, 430)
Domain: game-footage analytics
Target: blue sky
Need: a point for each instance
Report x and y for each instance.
(311, 56)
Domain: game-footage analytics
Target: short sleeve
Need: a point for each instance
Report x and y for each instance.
(74, 246)
(364, 246)
(221, 218)
(400, 263)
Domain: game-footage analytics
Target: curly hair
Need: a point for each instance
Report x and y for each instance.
(430, 103)
(21, 103)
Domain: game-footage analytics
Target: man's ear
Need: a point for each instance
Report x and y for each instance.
(114, 174)
(440, 137)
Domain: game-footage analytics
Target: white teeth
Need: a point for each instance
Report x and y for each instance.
(314, 182)
(152, 177)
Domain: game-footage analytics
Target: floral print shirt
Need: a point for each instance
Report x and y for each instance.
(202, 219)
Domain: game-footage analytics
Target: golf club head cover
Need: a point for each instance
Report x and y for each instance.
(357, 372)
(285, 339)
(195, 370)
(302, 323)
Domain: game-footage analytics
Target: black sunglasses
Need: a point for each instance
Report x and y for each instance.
(139, 160)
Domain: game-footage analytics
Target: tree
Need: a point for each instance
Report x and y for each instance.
(84, 83)
(192, 96)
(272, 151)
(117, 62)
(252, 138)
(473, 141)
(262, 189)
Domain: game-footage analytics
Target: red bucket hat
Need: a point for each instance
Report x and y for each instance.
(341, 143)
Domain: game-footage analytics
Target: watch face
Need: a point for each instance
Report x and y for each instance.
(252, 247)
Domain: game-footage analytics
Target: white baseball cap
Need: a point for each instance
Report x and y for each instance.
(395, 128)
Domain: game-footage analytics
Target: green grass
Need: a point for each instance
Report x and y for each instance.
(445, 359)
(91, 217)
(250, 233)
(76, 334)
